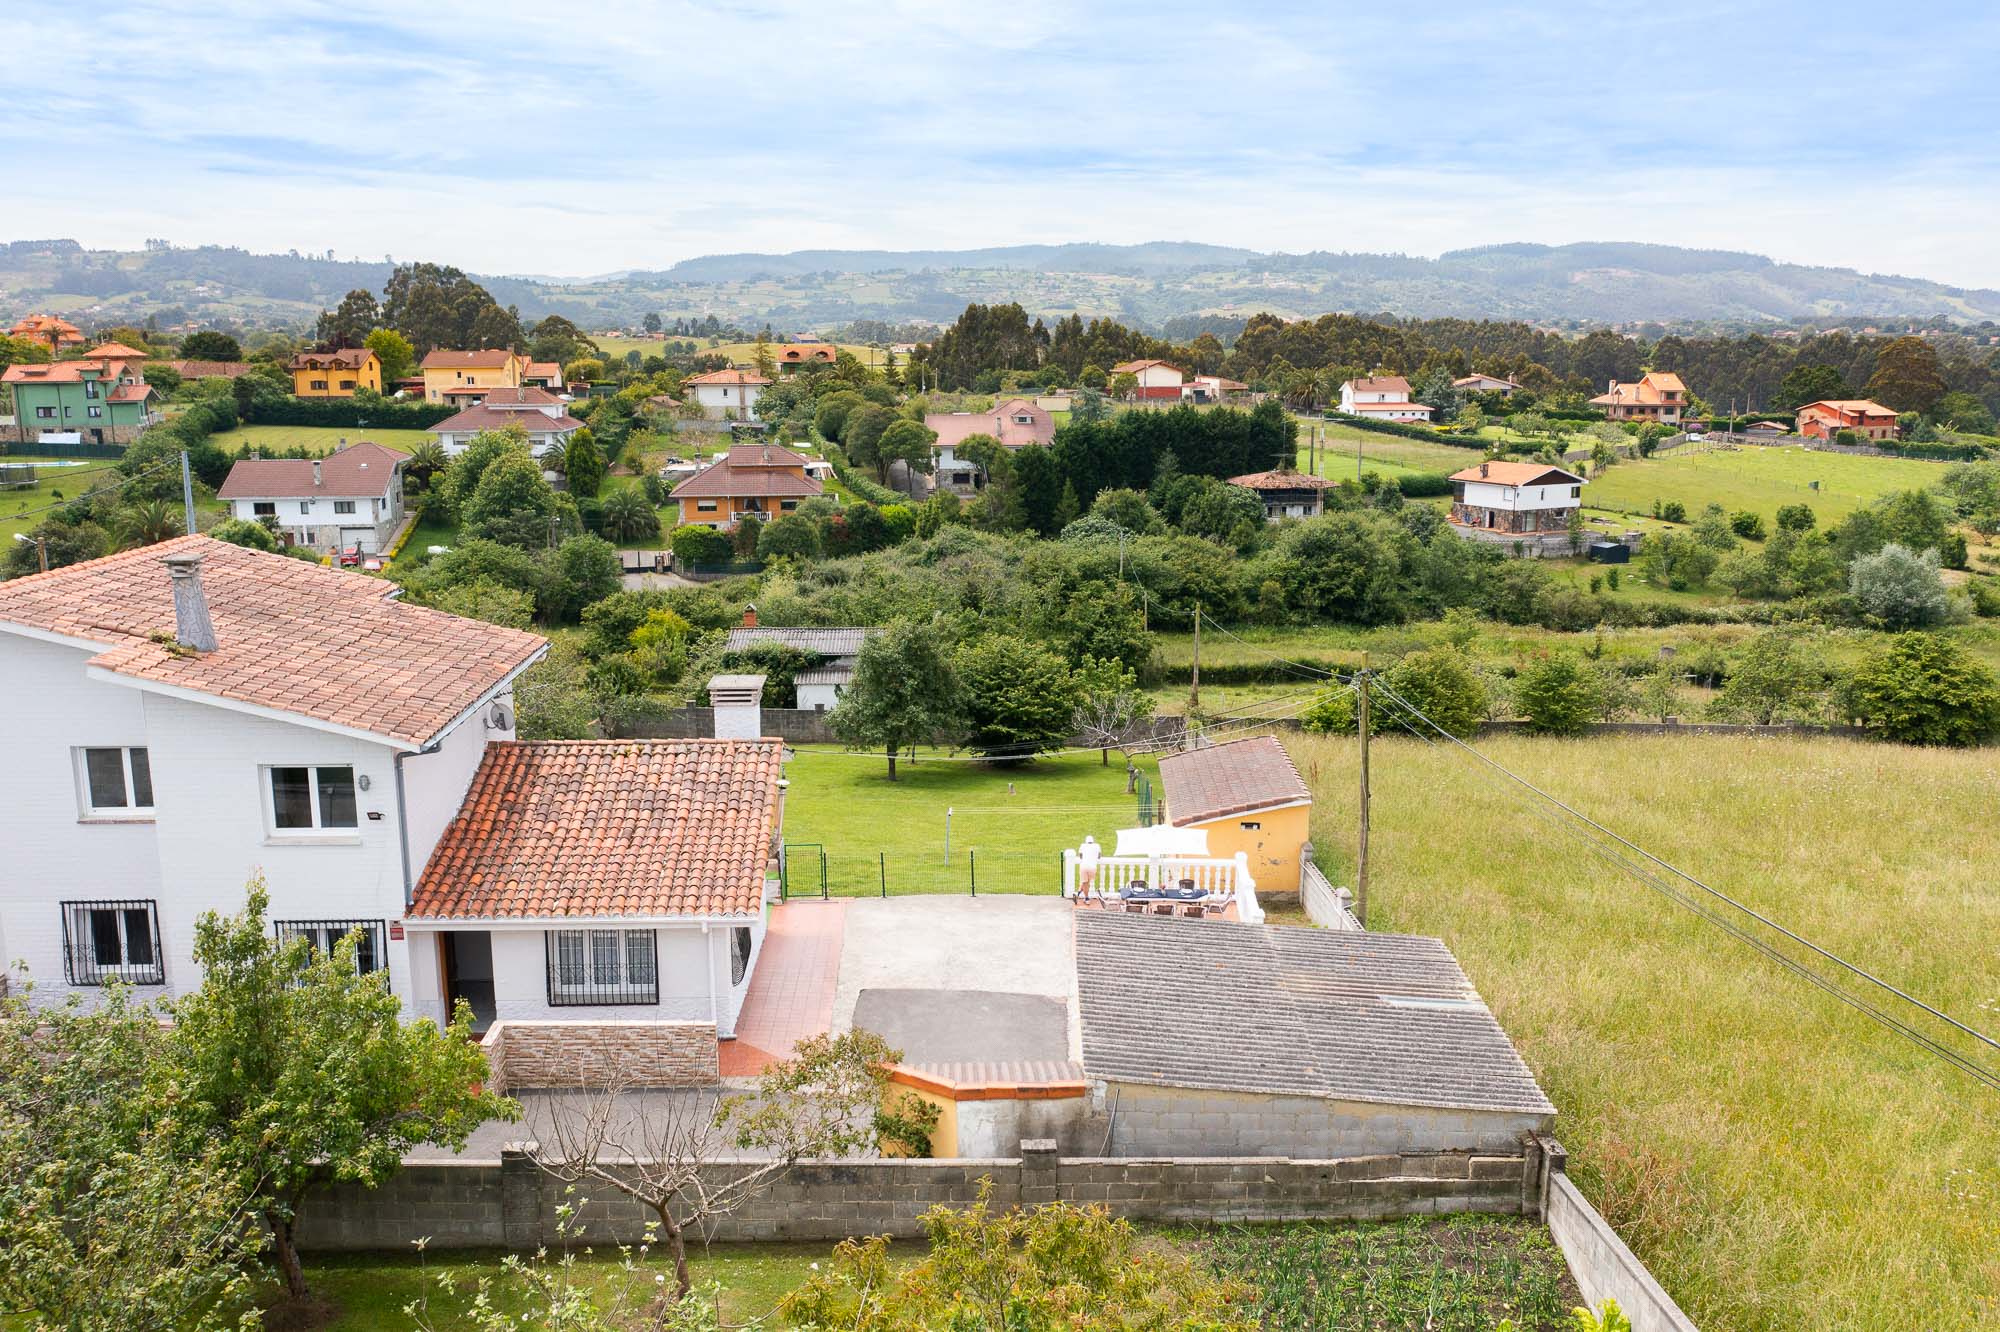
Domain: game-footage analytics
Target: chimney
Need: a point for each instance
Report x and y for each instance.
(192, 627)
(737, 701)
(1482, 469)
(750, 616)
(315, 474)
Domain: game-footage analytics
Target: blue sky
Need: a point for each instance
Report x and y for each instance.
(542, 138)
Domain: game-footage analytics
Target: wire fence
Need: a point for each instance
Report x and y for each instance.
(812, 870)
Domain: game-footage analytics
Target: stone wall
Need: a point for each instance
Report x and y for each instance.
(588, 1053)
(472, 1204)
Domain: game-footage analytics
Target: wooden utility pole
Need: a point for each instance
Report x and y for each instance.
(1194, 679)
(1361, 858)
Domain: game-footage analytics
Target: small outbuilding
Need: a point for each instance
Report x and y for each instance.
(1287, 492)
(1247, 795)
(1211, 1038)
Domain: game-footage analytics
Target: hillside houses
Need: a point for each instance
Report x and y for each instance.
(1656, 396)
(352, 499)
(449, 375)
(537, 413)
(1867, 419)
(1015, 423)
(340, 373)
(760, 479)
(1382, 398)
(101, 397)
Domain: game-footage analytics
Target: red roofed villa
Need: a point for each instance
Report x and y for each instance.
(763, 479)
(1515, 498)
(726, 394)
(350, 500)
(48, 330)
(1867, 419)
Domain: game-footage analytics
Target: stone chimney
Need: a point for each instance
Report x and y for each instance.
(1482, 468)
(738, 704)
(750, 616)
(315, 474)
(192, 627)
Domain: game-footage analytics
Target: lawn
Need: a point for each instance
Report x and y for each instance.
(1391, 455)
(23, 510)
(1009, 822)
(1757, 478)
(1777, 1160)
(318, 439)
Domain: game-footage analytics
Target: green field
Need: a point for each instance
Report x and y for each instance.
(1758, 478)
(1013, 820)
(1779, 1161)
(24, 509)
(318, 439)
(1391, 455)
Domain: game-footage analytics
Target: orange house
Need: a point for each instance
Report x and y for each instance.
(751, 478)
(1656, 396)
(1830, 416)
(58, 335)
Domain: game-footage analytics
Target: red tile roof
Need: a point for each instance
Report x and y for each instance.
(1216, 781)
(209, 369)
(1649, 390)
(751, 471)
(729, 377)
(1392, 407)
(581, 829)
(544, 370)
(490, 358)
(130, 393)
(1515, 474)
(114, 351)
(1380, 384)
(345, 358)
(1863, 407)
(1134, 367)
(297, 638)
(359, 471)
(529, 395)
(956, 427)
(479, 416)
(56, 372)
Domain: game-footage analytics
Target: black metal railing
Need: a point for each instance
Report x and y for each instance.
(113, 940)
(602, 967)
(369, 954)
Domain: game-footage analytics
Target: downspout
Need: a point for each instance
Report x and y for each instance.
(708, 951)
(403, 818)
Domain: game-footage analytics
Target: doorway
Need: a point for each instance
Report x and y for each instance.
(465, 958)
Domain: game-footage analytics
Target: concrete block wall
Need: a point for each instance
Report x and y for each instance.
(511, 1203)
(1190, 1122)
(590, 1053)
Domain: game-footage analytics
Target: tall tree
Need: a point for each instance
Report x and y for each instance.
(210, 345)
(905, 692)
(303, 1069)
(1907, 376)
(394, 351)
(348, 323)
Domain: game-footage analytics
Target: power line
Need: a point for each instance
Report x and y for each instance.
(148, 470)
(1923, 1040)
(1298, 668)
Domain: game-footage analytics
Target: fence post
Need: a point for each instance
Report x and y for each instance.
(882, 858)
(822, 874)
(972, 863)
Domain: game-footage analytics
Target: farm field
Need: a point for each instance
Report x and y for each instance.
(1758, 478)
(318, 439)
(1389, 454)
(1013, 820)
(1778, 1160)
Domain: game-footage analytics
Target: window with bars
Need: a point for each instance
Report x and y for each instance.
(112, 941)
(603, 967)
(324, 934)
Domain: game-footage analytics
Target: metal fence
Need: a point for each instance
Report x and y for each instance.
(52, 449)
(808, 869)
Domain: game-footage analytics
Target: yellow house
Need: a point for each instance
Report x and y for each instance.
(1247, 796)
(751, 478)
(453, 375)
(335, 374)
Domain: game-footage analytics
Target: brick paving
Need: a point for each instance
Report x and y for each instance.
(791, 993)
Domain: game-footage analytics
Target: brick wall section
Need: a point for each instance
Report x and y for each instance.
(510, 1202)
(586, 1053)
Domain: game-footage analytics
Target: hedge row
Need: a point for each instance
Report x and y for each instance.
(386, 414)
(1430, 434)
(875, 494)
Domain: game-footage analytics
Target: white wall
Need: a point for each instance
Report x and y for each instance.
(819, 696)
(520, 979)
(1159, 376)
(52, 855)
(1488, 495)
(434, 785)
(740, 398)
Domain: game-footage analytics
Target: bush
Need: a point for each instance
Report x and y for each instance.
(695, 544)
(1559, 695)
(1673, 511)
(1796, 518)
(1926, 690)
(1898, 588)
(1442, 685)
(1330, 715)
(1748, 525)
(242, 532)
(1019, 696)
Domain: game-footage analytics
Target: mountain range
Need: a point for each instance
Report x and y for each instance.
(1561, 286)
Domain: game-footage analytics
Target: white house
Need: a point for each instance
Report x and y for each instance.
(1515, 497)
(206, 713)
(1157, 379)
(1478, 383)
(1382, 397)
(539, 413)
(721, 393)
(351, 498)
(819, 686)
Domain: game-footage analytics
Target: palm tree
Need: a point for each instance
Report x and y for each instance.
(425, 463)
(628, 516)
(151, 522)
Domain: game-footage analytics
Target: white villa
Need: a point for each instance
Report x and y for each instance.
(1515, 498)
(350, 499)
(727, 393)
(205, 713)
(1382, 397)
(536, 411)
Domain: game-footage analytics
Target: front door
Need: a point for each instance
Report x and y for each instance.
(465, 959)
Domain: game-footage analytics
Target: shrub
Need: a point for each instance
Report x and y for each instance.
(1748, 525)
(1926, 690)
(1796, 518)
(628, 516)
(243, 532)
(1442, 685)
(1559, 695)
(1899, 588)
(695, 544)
(1329, 715)
(1673, 511)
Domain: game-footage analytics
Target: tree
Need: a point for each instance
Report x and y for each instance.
(243, 532)
(1661, 696)
(1747, 524)
(1926, 690)
(1440, 684)
(513, 503)
(906, 442)
(1129, 509)
(1060, 1265)
(1796, 518)
(561, 341)
(427, 461)
(1676, 560)
(583, 465)
(1559, 694)
(586, 369)
(1899, 588)
(462, 475)
(628, 516)
(651, 323)
(209, 345)
(104, 1226)
(760, 355)
(905, 692)
(1809, 383)
(1109, 703)
(860, 432)
(1958, 411)
(833, 411)
(695, 544)
(553, 699)
(581, 570)
(303, 1069)
(789, 536)
(350, 322)
(1907, 376)
(486, 599)
(152, 521)
(1019, 698)
(822, 1102)
(398, 358)
(1779, 675)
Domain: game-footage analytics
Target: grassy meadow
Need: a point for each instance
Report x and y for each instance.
(1757, 478)
(23, 509)
(1778, 1160)
(315, 439)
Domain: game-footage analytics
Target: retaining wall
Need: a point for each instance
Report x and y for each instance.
(1603, 1267)
(589, 1053)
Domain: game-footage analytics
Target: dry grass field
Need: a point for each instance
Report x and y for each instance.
(1779, 1160)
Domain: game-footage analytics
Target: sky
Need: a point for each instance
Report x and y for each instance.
(538, 138)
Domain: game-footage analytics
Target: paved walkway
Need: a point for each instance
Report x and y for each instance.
(791, 992)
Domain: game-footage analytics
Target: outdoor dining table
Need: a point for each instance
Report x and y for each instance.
(1161, 892)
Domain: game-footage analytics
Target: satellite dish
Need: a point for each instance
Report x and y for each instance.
(497, 719)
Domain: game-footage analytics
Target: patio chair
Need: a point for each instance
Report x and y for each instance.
(1193, 910)
(1163, 908)
(1137, 908)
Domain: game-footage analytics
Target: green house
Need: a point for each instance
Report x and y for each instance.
(102, 396)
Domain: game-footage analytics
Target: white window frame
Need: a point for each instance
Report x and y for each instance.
(319, 831)
(343, 507)
(87, 808)
(603, 960)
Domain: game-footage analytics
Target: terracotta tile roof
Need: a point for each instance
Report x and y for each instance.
(573, 829)
(489, 358)
(728, 377)
(46, 328)
(1233, 778)
(1516, 474)
(479, 416)
(1380, 384)
(1281, 480)
(359, 471)
(294, 637)
(56, 372)
(1649, 390)
(114, 351)
(1134, 367)
(209, 369)
(798, 353)
(544, 370)
(344, 358)
(1850, 407)
(528, 395)
(742, 473)
(130, 393)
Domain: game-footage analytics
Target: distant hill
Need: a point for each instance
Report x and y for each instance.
(1565, 285)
